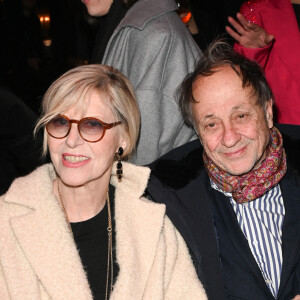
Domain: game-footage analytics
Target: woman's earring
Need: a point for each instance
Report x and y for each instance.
(119, 164)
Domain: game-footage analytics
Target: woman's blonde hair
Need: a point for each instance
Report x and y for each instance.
(73, 90)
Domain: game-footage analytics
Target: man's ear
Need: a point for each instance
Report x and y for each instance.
(269, 113)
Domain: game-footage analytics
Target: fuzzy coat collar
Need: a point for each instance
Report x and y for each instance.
(46, 251)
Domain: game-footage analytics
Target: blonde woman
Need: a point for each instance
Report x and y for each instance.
(79, 228)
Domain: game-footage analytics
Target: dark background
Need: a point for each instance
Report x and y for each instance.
(35, 51)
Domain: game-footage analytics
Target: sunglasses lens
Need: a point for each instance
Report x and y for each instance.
(58, 127)
(91, 129)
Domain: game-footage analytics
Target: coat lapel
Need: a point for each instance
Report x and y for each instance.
(136, 240)
(189, 210)
(197, 221)
(45, 240)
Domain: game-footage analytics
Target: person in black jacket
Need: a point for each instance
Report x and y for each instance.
(234, 194)
(20, 152)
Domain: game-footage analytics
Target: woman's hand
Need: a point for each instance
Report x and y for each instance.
(248, 34)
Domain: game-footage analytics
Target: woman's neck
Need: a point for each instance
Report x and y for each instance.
(83, 202)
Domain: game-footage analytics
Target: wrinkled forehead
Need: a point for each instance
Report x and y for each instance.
(220, 86)
(224, 75)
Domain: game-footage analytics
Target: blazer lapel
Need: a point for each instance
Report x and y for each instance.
(291, 229)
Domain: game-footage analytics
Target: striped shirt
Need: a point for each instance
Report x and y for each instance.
(261, 221)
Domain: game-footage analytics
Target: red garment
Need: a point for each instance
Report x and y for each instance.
(280, 59)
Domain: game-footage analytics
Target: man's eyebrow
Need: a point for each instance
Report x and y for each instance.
(208, 116)
(233, 109)
(243, 105)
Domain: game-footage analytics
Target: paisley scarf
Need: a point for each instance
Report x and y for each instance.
(257, 182)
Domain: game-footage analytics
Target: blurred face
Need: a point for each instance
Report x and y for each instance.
(79, 162)
(98, 8)
(233, 129)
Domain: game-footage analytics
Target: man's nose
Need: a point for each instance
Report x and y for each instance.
(230, 136)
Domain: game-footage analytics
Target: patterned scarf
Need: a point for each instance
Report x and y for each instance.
(257, 182)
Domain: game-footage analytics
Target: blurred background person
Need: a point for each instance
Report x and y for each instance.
(267, 32)
(78, 228)
(22, 57)
(148, 42)
(210, 18)
(20, 152)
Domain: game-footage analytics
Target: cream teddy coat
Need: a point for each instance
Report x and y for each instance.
(39, 258)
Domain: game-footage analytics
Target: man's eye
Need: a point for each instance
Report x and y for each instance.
(243, 117)
(210, 127)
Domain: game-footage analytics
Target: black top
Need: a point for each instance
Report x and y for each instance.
(91, 239)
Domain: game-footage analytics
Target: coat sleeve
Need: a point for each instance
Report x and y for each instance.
(163, 56)
(260, 55)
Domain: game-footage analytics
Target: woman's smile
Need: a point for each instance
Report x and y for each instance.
(74, 161)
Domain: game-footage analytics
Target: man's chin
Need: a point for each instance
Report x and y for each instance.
(238, 170)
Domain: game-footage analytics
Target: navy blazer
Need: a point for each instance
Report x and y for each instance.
(179, 180)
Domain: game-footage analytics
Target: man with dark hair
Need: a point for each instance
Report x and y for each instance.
(234, 194)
